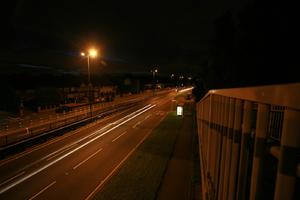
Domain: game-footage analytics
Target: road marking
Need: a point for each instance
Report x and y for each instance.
(52, 141)
(2, 190)
(148, 116)
(21, 173)
(116, 168)
(143, 120)
(134, 126)
(45, 188)
(87, 159)
(119, 136)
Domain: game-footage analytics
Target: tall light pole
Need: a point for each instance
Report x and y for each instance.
(172, 79)
(91, 53)
(154, 71)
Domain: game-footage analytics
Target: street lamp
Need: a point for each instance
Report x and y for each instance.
(93, 54)
(153, 73)
(181, 81)
(153, 80)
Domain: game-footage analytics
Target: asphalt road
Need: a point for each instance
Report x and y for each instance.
(75, 165)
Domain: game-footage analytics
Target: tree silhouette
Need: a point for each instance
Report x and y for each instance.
(255, 46)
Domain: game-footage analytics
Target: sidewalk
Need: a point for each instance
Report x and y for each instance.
(179, 178)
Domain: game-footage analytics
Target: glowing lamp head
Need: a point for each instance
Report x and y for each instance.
(93, 53)
(82, 54)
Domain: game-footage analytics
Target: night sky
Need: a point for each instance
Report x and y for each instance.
(132, 36)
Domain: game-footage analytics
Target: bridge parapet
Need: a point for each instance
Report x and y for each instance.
(249, 142)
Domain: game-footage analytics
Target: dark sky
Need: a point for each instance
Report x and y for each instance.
(171, 35)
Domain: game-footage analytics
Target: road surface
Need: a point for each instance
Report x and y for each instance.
(74, 165)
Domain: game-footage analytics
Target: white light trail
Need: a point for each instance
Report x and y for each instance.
(140, 111)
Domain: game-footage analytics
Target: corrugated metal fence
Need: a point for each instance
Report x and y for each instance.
(249, 141)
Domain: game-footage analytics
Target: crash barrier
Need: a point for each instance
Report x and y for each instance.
(249, 141)
(23, 134)
(36, 129)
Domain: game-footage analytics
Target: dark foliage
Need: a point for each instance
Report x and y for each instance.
(255, 46)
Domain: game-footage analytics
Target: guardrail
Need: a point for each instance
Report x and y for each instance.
(41, 118)
(249, 142)
(40, 130)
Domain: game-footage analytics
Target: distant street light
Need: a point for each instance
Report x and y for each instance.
(181, 80)
(93, 54)
(154, 71)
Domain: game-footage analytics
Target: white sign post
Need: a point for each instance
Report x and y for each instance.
(179, 110)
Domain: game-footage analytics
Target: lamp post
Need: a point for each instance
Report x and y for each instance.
(154, 71)
(172, 79)
(153, 79)
(181, 80)
(91, 53)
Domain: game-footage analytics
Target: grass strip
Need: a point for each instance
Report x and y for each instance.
(142, 173)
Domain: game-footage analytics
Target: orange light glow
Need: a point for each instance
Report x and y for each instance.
(93, 53)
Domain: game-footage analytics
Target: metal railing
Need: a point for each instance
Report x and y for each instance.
(42, 127)
(249, 142)
(39, 130)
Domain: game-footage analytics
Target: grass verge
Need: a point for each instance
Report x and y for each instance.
(141, 174)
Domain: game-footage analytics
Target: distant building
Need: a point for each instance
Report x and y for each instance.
(80, 94)
(50, 98)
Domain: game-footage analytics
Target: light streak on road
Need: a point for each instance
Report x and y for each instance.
(19, 174)
(44, 189)
(132, 116)
(185, 90)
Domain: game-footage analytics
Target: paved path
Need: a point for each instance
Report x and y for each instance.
(178, 180)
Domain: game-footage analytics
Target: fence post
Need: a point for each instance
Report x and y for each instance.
(207, 108)
(228, 148)
(207, 129)
(259, 150)
(202, 132)
(235, 149)
(218, 144)
(210, 143)
(224, 124)
(244, 153)
(202, 145)
(214, 134)
(287, 165)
